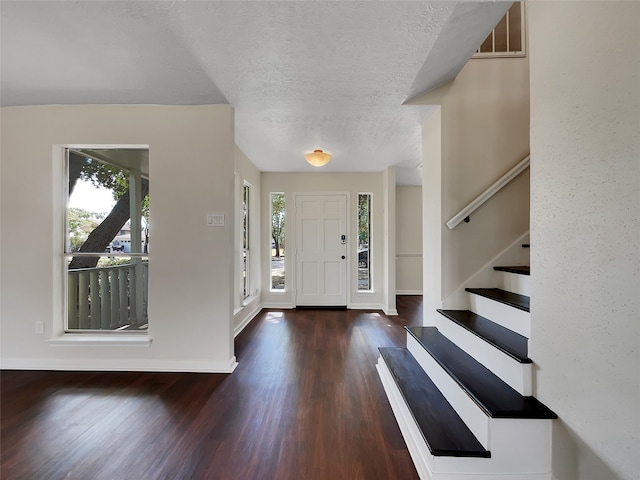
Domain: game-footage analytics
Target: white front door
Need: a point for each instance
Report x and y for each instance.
(321, 249)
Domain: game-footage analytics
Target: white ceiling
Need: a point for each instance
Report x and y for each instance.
(301, 75)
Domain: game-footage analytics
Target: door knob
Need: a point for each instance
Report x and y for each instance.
(343, 257)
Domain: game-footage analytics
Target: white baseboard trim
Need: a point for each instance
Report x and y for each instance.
(365, 306)
(408, 292)
(390, 311)
(82, 340)
(283, 306)
(245, 321)
(118, 365)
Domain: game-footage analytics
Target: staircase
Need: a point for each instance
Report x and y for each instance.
(462, 389)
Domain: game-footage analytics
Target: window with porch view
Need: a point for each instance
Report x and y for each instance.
(107, 240)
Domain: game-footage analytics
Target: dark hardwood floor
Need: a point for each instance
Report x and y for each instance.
(304, 403)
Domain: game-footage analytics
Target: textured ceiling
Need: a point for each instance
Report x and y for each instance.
(301, 74)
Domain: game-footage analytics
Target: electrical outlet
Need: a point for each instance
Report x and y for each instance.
(39, 327)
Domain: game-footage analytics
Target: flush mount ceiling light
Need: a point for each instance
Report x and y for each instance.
(318, 158)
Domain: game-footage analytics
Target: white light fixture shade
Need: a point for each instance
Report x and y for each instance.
(318, 158)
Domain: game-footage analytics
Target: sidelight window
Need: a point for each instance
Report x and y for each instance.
(364, 241)
(246, 249)
(277, 239)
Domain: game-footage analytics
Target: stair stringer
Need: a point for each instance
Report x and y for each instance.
(422, 458)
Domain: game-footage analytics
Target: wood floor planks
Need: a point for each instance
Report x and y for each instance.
(304, 402)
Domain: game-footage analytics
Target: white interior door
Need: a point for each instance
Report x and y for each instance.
(321, 249)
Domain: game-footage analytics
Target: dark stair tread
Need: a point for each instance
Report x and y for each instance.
(508, 298)
(491, 394)
(442, 428)
(521, 269)
(525, 245)
(505, 340)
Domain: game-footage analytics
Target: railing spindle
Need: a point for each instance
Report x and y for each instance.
(133, 306)
(94, 285)
(145, 290)
(124, 301)
(72, 299)
(105, 304)
(83, 298)
(115, 298)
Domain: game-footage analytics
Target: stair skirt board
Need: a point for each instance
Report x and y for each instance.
(508, 461)
(517, 375)
(514, 282)
(509, 317)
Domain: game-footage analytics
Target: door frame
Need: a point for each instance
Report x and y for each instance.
(294, 263)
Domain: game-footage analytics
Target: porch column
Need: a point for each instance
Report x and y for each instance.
(135, 207)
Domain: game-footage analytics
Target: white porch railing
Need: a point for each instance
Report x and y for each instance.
(108, 298)
(463, 215)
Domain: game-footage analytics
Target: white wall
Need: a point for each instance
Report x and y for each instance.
(389, 220)
(432, 215)
(246, 309)
(409, 240)
(585, 232)
(353, 183)
(191, 151)
(483, 125)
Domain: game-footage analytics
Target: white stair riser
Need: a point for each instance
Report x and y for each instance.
(517, 445)
(512, 456)
(465, 407)
(515, 283)
(515, 374)
(509, 317)
(521, 449)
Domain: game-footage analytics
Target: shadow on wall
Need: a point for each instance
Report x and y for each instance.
(565, 462)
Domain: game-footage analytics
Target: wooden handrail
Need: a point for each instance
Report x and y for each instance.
(464, 214)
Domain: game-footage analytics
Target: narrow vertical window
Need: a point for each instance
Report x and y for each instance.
(364, 241)
(277, 241)
(107, 239)
(246, 251)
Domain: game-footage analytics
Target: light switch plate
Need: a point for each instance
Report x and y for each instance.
(215, 220)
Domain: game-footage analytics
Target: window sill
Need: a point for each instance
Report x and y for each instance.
(248, 300)
(81, 340)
